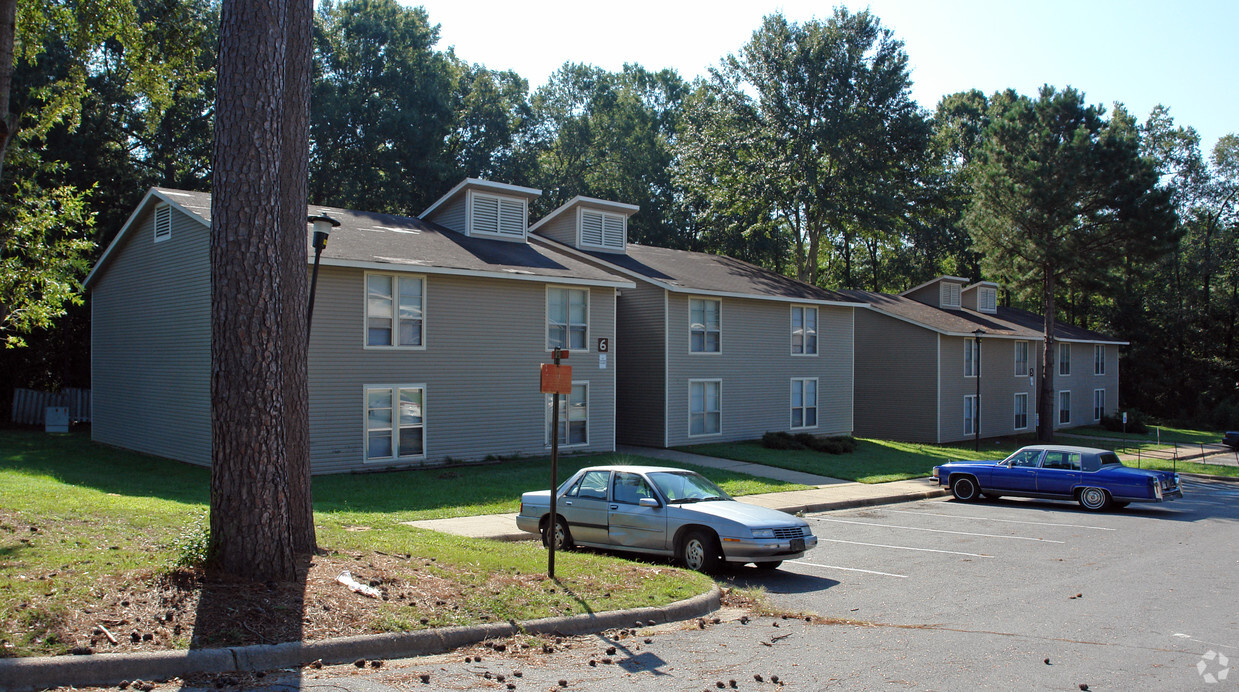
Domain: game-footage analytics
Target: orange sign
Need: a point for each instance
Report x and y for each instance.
(556, 379)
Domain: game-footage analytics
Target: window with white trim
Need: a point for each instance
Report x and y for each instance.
(804, 331)
(1099, 359)
(1064, 359)
(1064, 407)
(1099, 404)
(987, 300)
(394, 310)
(705, 415)
(1021, 411)
(970, 414)
(501, 216)
(948, 295)
(1021, 358)
(972, 353)
(602, 229)
(573, 416)
(567, 318)
(804, 402)
(395, 422)
(704, 325)
(163, 222)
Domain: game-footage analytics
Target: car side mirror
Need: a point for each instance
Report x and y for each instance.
(647, 502)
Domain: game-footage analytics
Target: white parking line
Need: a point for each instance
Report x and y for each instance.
(919, 528)
(902, 547)
(1005, 521)
(845, 569)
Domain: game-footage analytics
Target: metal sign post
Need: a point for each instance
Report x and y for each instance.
(555, 379)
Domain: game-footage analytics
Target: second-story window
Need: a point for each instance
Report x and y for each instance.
(1021, 358)
(1099, 359)
(972, 353)
(804, 331)
(704, 326)
(1064, 359)
(567, 318)
(394, 310)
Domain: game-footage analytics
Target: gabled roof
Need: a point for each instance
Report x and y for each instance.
(400, 243)
(592, 202)
(485, 186)
(1007, 322)
(699, 273)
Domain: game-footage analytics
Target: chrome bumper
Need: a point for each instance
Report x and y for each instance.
(764, 549)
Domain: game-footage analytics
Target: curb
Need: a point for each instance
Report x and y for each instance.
(865, 501)
(28, 674)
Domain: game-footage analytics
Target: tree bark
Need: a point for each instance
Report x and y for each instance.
(1045, 401)
(294, 188)
(8, 37)
(250, 532)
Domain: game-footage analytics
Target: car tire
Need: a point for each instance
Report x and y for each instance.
(991, 496)
(772, 564)
(700, 551)
(563, 537)
(1093, 499)
(1119, 505)
(965, 489)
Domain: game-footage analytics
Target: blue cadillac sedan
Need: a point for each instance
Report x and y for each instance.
(1093, 477)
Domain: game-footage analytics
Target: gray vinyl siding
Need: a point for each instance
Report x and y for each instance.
(999, 385)
(640, 360)
(756, 368)
(928, 294)
(451, 215)
(484, 341)
(896, 379)
(1081, 383)
(151, 343)
(562, 229)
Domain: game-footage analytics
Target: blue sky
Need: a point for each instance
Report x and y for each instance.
(1140, 52)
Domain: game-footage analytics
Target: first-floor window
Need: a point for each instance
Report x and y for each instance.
(804, 403)
(395, 422)
(1099, 403)
(573, 415)
(970, 414)
(1021, 411)
(705, 407)
(1064, 407)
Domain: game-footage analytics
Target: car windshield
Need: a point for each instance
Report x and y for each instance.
(686, 486)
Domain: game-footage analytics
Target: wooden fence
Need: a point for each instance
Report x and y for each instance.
(29, 406)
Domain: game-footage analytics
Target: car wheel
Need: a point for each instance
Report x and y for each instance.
(965, 489)
(563, 537)
(773, 564)
(1094, 499)
(991, 496)
(699, 551)
(1119, 505)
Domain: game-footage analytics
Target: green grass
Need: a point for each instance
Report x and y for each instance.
(74, 514)
(1168, 435)
(1185, 467)
(874, 461)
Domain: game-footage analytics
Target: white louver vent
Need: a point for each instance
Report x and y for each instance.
(163, 222)
(599, 229)
(613, 231)
(498, 216)
(512, 218)
(591, 228)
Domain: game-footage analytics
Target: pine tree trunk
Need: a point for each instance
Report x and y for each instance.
(250, 532)
(294, 187)
(8, 38)
(1045, 401)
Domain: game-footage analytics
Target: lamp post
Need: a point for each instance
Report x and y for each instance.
(976, 409)
(322, 228)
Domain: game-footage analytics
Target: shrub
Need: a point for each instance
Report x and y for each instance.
(780, 440)
(828, 445)
(844, 444)
(192, 544)
(1135, 422)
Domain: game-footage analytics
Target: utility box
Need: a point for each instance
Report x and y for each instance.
(56, 419)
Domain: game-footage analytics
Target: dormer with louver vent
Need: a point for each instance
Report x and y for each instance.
(588, 224)
(944, 292)
(484, 209)
(982, 297)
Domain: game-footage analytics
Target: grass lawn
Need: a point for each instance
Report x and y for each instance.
(874, 461)
(1185, 467)
(76, 516)
(1167, 435)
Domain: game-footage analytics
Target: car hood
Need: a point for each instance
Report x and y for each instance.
(742, 513)
(971, 464)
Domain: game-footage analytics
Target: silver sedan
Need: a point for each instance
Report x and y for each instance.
(664, 511)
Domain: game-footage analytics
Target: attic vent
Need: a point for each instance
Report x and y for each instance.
(163, 222)
(498, 216)
(988, 300)
(599, 229)
(591, 228)
(949, 295)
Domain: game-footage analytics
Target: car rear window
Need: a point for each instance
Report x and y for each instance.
(1109, 458)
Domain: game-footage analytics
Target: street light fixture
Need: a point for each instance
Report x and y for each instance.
(322, 228)
(976, 407)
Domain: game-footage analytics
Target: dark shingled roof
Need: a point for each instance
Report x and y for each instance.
(410, 243)
(685, 272)
(1006, 322)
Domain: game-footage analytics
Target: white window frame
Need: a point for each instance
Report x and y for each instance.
(987, 300)
(970, 405)
(1099, 359)
(803, 407)
(565, 403)
(395, 312)
(162, 221)
(705, 412)
(1021, 371)
(1058, 407)
(500, 200)
(949, 294)
(804, 311)
(569, 324)
(706, 330)
(1016, 410)
(1064, 362)
(604, 217)
(395, 427)
(972, 353)
(1099, 411)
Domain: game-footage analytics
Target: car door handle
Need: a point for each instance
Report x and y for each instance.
(568, 502)
(614, 506)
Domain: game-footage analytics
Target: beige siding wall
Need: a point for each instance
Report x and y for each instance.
(562, 229)
(451, 215)
(1082, 382)
(485, 339)
(756, 368)
(641, 363)
(896, 379)
(151, 343)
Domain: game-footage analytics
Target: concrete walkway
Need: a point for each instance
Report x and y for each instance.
(758, 470)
